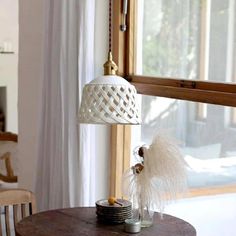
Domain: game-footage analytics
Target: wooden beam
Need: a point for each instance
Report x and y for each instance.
(190, 90)
(179, 82)
(116, 167)
(120, 134)
(212, 97)
(120, 157)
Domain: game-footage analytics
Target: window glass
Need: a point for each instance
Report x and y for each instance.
(207, 139)
(186, 39)
(233, 117)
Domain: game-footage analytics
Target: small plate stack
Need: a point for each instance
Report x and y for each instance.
(113, 214)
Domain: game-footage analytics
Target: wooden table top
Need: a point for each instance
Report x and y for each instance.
(83, 221)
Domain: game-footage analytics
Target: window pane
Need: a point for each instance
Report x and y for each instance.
(208, 143)
(186, 39)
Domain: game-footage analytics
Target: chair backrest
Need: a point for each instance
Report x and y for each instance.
(7, 156)
(23, 204)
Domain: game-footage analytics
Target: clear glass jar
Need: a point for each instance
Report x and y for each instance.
(144, 214)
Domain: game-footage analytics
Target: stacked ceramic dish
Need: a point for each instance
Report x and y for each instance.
(113, 214)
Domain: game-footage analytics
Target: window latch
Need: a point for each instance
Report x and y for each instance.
(124, 13)
(187, 84)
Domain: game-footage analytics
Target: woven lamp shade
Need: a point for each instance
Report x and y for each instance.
(109, 99)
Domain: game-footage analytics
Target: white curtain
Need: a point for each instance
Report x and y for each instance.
(65, 169)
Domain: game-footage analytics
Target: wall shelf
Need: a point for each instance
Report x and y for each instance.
(7, 52)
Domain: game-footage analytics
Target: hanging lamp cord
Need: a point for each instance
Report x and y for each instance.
(110, 19)
(110, 66)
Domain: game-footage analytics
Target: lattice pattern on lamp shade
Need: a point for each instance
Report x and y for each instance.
(109, 103)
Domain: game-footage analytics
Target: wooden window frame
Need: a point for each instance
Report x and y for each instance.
(191, 90)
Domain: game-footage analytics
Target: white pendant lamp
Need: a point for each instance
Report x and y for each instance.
(109, 99)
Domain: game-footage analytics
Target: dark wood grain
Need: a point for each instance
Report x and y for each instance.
(82, 221)
(190, 90)
(15, 214)
(7, 222)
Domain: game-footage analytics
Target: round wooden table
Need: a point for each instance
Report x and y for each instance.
(83, 221)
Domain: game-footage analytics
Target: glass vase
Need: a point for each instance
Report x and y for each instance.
(144, 214)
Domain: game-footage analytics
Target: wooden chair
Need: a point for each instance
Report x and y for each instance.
(22, 201)
(9, 177)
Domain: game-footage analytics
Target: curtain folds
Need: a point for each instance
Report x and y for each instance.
(65, 169)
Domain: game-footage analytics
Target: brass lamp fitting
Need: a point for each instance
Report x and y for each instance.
(110, 66)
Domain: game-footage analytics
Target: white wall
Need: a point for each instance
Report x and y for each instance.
(30, 64)
(9, 23)
(9, 62)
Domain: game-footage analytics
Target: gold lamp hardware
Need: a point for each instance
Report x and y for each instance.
(110, 66)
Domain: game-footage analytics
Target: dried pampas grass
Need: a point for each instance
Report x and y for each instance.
(161, 178)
